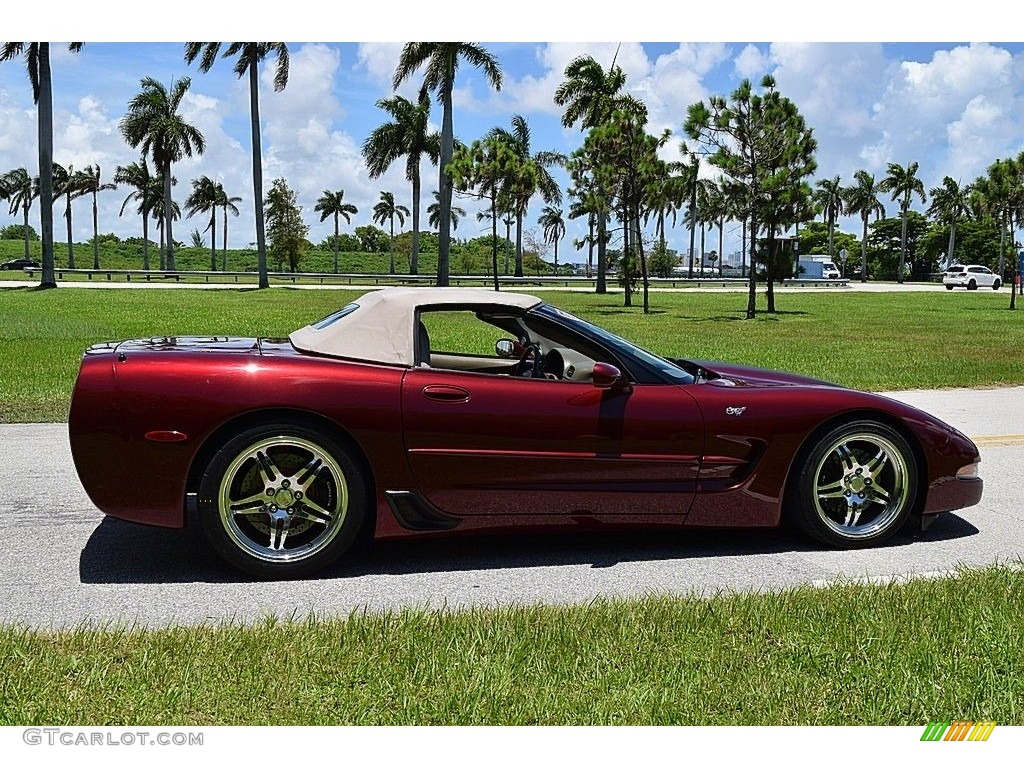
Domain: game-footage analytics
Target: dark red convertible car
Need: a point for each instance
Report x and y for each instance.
(425, 411)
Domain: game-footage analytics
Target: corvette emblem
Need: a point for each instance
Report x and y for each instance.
(735, 410)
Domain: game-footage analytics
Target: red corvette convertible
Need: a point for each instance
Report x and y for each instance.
(423, 411)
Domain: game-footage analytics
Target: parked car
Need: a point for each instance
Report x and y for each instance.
(430, 411)
(19, 264)
(970, 276)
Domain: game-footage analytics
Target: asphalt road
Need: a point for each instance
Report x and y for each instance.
(67, 564)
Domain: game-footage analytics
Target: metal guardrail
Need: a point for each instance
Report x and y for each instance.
(324, 278)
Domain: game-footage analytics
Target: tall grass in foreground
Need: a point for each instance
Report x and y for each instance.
(898, 654)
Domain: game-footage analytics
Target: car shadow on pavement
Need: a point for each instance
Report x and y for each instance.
(119, 552)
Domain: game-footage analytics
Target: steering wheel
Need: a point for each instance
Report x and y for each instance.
(528, 348)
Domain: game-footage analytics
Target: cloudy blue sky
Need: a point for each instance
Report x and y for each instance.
(953, 107)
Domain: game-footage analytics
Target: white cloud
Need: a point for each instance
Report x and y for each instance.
(751, 62)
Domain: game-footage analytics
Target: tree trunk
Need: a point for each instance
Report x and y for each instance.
(831, 236)
(67, 217)
(494, 235)
(337, 236)
(590, 246)
(643, 261)
(519, 243)
(743, 249)
(95, 233)
(769, 271)
(257, 172)
(391, 259)
(864, 252)
(625, 270)
(24, 210)
(693, 226)
(952, 243)
(903, 246)
(444, 185)
(168, 226)
(145, 240)
(224, 247)
(414, 255)
(752, 283)
(602, 255)
(508, 241)
(213, 240)
(556, 254)
(44, 111)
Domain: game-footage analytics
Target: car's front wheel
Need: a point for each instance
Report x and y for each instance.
(282, 501)
(949, 287)
(856, 486)
(972, 286)
(996, 284)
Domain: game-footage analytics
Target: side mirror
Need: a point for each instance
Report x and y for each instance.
(505, 347)
(607, 376)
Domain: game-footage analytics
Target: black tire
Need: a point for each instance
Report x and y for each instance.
(996, 284)
(972, 286)
(949, 287)
(282, 501)
(855, 486)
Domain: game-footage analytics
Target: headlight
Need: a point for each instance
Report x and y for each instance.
(969, 472)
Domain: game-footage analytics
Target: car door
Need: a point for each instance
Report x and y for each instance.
(481, 444)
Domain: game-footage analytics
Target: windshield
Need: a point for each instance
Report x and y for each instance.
(618, 345)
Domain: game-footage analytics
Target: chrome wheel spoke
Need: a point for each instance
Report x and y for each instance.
(268, 470)
(853, 513)
(309, 473)
(310, 510)
(833, 490)
(879, 495)
(877, 462)
(250, 506)
(278, 531)
(846, 457)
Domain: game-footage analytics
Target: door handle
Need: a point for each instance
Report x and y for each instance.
(446, 393)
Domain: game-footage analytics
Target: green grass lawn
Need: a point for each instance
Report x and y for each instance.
(846, 655)
(865, 340)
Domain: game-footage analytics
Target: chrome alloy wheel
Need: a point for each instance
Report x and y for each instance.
(283, 499)
(861, 485)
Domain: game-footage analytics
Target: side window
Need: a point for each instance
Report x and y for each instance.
(459, 332)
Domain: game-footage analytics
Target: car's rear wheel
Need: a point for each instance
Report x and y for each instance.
(972, 286)
(282, 501)
(949, 287)
(856, 486)
(996, 284)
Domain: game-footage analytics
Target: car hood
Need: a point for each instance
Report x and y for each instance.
(731, 374)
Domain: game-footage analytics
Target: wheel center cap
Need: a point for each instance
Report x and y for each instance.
(284, 498)
(856, 484)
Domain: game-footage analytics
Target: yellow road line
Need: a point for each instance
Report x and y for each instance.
(998, 440)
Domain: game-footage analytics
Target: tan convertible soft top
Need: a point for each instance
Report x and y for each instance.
(381, 326)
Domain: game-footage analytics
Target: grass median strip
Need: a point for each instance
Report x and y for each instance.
(851, 339)
(848, 654)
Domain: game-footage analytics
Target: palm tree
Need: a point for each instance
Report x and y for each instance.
(862, 199)
(333, 204)
(590, 95)
(18, 191)
(37, 61)
(153, 123)
(65, 183)
(204, 200)
(249, 57)
(228, 204)
(949, 203)
(161, 214)
(519, 140)
(407, 135)
(554, 227)
(442, 62)
(434, 213)
(828, 196)
(138, 177)
(386, 210)
(903, 184)
(90, 184)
